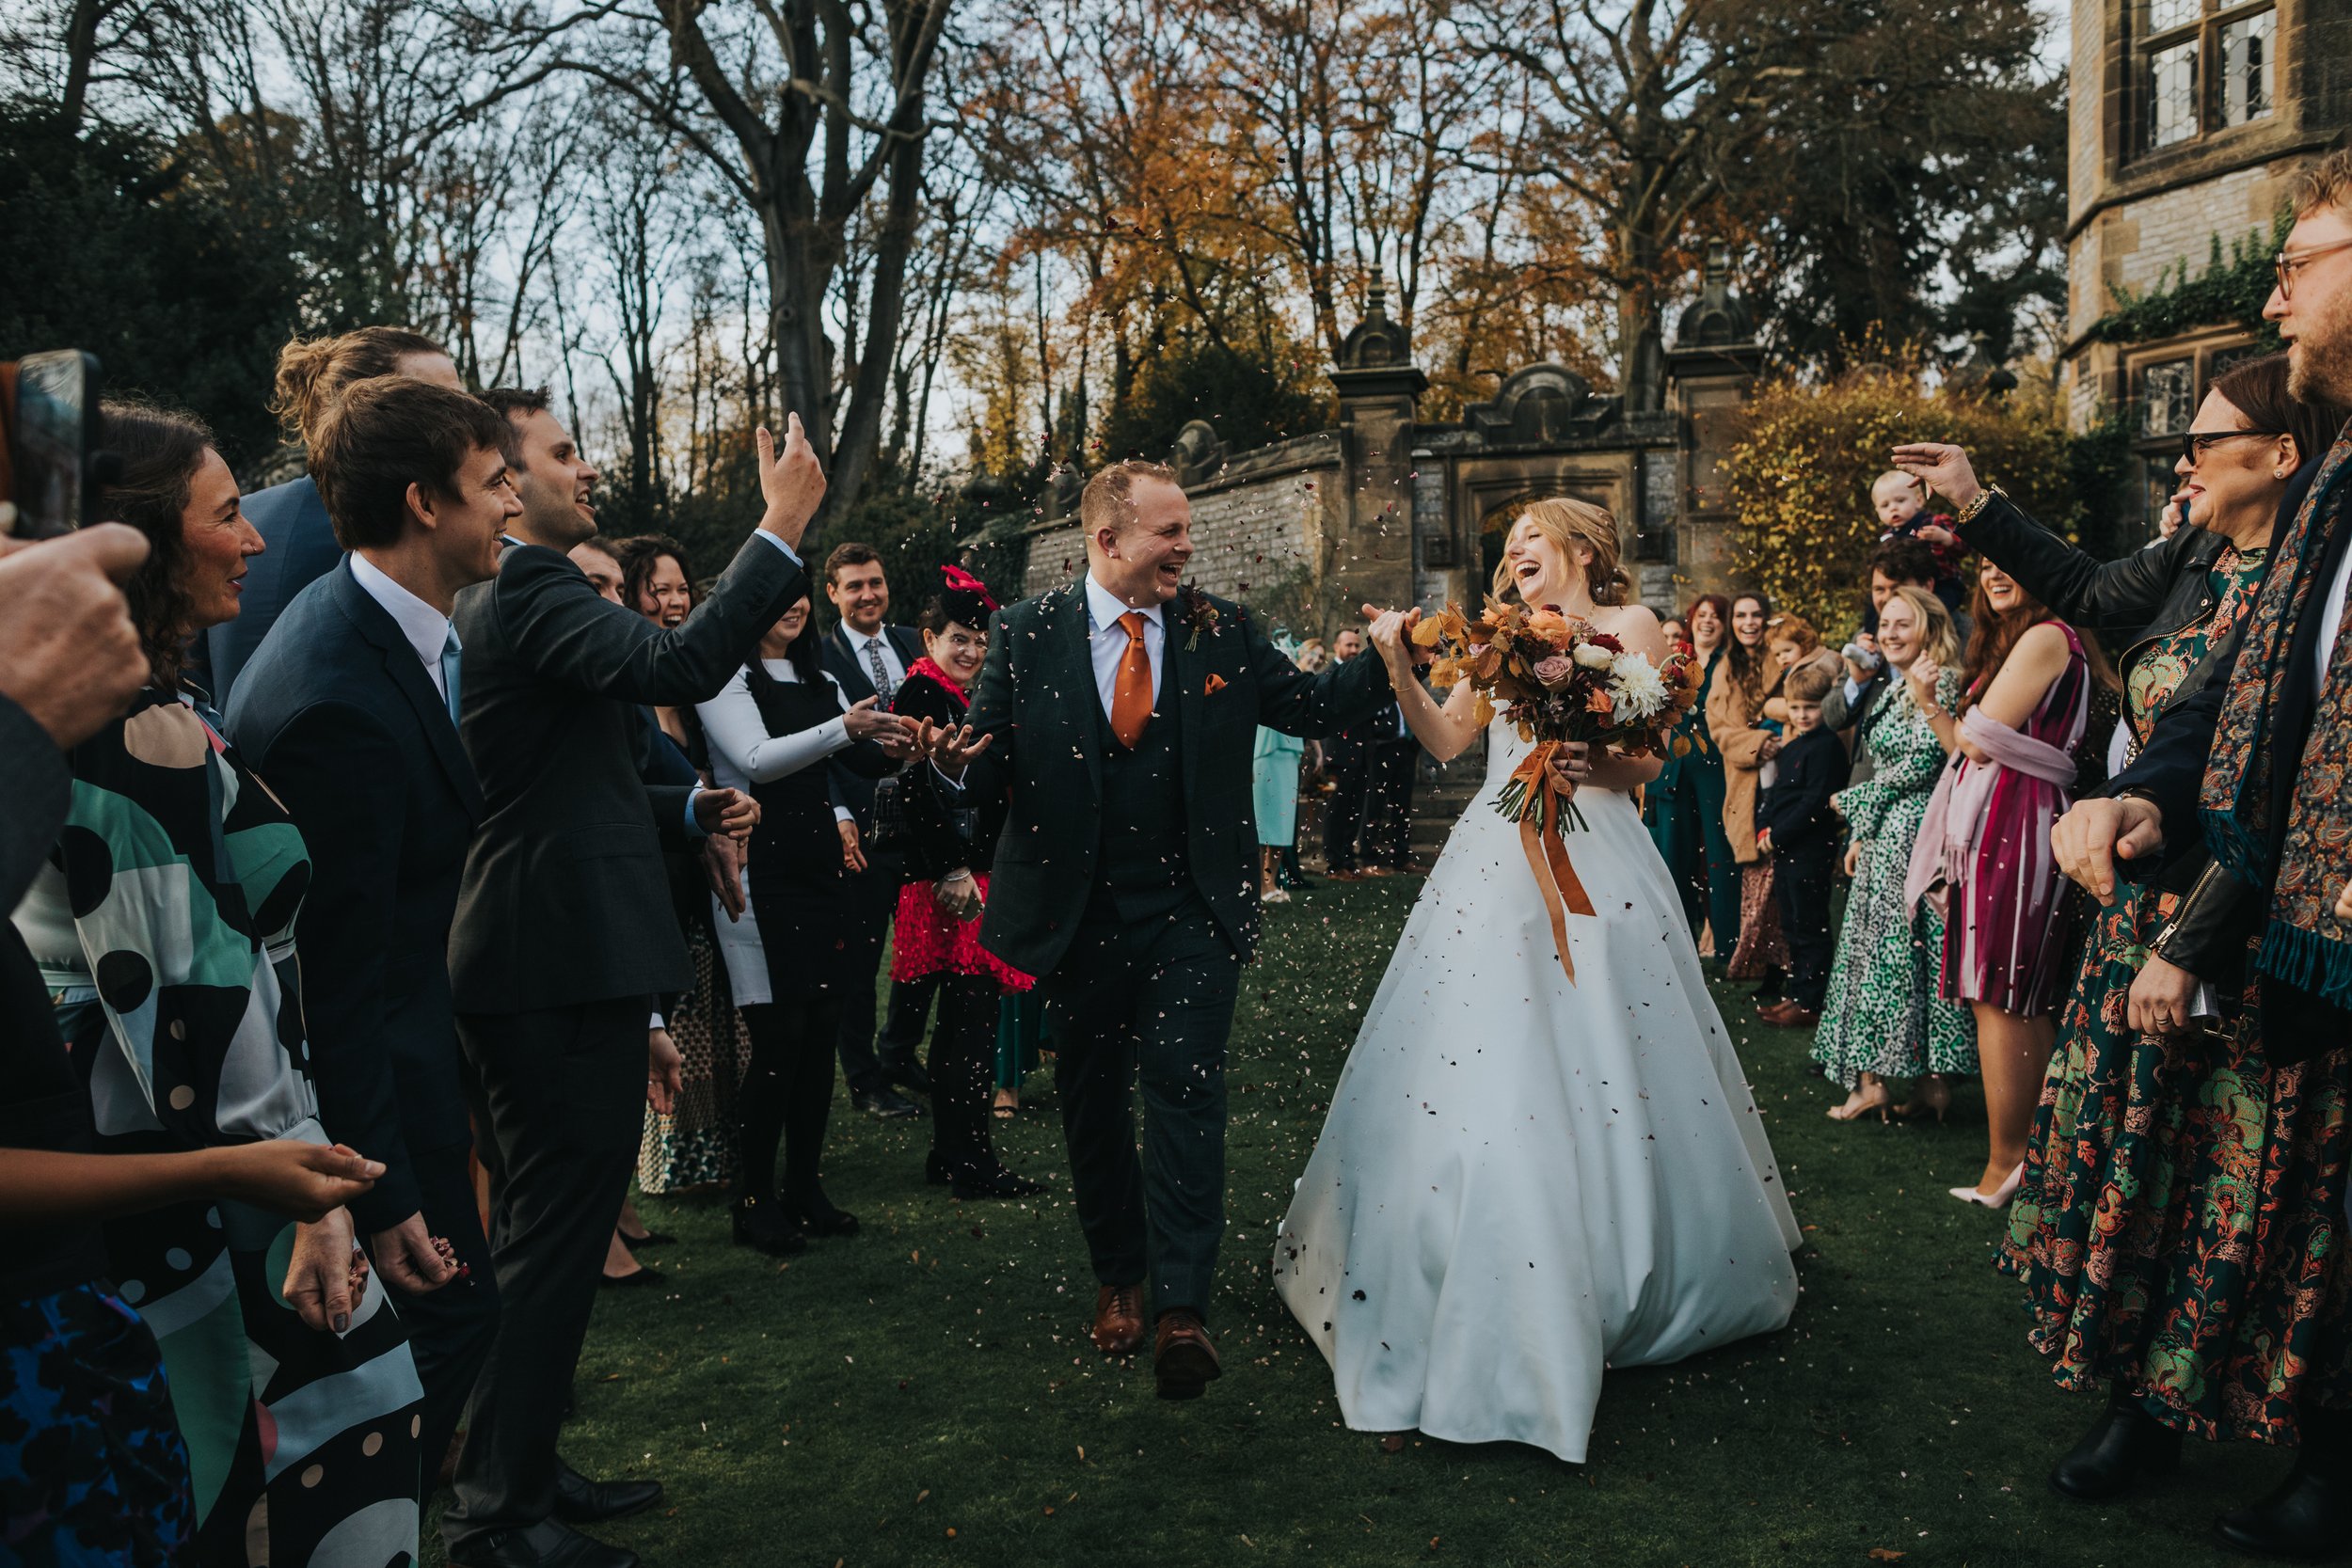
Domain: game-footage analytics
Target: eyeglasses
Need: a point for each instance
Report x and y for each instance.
(2288, 267)
(2193, 445)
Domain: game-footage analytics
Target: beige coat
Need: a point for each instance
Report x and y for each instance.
(1731, 725)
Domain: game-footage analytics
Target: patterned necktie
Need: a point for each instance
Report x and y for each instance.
(450, 651)
(1131, 693)
(883, 687)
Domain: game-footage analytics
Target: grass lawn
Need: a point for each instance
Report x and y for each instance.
(925, 1393)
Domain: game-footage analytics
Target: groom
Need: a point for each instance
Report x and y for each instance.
(1119, 716)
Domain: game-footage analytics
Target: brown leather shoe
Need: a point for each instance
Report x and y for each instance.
(1119, 1319)
(1185, 1361)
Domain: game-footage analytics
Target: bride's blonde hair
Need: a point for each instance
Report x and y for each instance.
(1568, 523)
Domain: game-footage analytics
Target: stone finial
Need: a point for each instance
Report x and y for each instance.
(1717, 318)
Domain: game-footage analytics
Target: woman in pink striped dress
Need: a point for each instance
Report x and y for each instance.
(1984, 848)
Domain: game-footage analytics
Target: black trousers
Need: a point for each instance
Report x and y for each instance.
(1388, 834)
(1146, 996)
(963, 1070)
(1801, 879)
(451, 1330)
(867, 1063)
(787, 1100)
(1343, 819)
(562, 1094)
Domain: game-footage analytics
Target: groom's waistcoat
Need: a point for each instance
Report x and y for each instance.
(1143, 800)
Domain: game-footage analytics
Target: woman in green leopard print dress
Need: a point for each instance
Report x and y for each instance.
(1883, 1018)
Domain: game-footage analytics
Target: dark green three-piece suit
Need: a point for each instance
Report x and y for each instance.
(1127, 881)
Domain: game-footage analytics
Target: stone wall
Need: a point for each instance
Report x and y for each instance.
(1258, 528)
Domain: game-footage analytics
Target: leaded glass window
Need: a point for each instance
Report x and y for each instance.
(2247, 49)
(2172, 95)
(2167, 397)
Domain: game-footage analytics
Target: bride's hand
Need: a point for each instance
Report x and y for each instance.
(1572, 764)
(1389, 631)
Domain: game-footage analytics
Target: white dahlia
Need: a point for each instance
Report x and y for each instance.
(1636, 686)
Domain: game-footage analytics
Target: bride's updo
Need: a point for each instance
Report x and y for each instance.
(1568, 523)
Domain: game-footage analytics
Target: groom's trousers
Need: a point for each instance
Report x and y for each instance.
(1145, 996)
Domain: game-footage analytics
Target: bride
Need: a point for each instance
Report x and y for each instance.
(1526, 1179)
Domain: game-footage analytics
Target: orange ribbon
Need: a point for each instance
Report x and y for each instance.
(1547, 856)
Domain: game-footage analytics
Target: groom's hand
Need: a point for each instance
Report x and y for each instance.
(1392, 633)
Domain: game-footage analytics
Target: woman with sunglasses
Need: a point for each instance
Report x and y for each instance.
(2166, 1226)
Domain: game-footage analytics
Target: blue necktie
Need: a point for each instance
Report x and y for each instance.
(451, 648)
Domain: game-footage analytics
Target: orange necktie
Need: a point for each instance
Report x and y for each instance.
(1131, 693)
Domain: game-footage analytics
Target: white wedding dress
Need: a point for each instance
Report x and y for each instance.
(1525, 1182)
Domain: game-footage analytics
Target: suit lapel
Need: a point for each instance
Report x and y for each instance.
(406, 672)
(1186, 671)
(1068, 644)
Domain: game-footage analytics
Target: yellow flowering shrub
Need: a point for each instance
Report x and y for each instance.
(1799, 478)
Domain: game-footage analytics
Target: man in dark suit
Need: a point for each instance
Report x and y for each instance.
(869, 657)
(348, 708)
(1119, 716)
(299, 540)
(1388, 836)
(1348, 753)
(566, 934)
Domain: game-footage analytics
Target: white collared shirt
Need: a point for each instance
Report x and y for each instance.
(1108, 640)
(859, 643)
(426, 629)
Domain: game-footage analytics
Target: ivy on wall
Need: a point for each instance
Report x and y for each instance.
(2231, 292)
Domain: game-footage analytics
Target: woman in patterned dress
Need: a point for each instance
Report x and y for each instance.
(1984, 851)
(2183, 1198)
(164, 927)
(1883, 1016)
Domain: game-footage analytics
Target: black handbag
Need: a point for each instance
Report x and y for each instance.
(891, 829)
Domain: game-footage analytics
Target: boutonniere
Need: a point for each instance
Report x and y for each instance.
(1216, 684)
(1200, 613)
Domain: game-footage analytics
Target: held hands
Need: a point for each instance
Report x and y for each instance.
(727, 811)
(957, 895)
(664, 1068)
(947, 748)
(326, 1279)
(409, 1259)
(1944, 468)
(1390, 631)
(2159, 999)
(2089, 839)
(303, 1181)
(852, 854)
(791, 482)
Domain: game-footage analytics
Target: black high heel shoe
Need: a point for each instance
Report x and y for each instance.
(2124, 1447)
(999, 1182)
(761, 1227)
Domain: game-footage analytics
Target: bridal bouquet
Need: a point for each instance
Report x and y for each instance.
(1558, 680)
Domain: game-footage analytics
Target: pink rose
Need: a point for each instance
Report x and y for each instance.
(1555, 671)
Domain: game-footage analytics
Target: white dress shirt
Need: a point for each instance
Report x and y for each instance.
(858, 643)
(1108, 640)
(426, 629)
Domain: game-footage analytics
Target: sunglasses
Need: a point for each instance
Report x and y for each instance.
(2194, 444)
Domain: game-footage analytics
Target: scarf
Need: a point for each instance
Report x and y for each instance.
(930, 671)
(2303, 943)
(1954, 825)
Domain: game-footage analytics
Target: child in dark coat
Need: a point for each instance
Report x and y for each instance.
(1796, 828)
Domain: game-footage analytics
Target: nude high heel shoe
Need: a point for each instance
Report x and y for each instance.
(1999, 1196)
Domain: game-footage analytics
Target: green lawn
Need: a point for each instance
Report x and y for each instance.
(925, 1393)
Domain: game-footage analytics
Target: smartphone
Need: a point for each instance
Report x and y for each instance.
(49, 404)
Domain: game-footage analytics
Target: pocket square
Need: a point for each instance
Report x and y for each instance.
(1216, 684)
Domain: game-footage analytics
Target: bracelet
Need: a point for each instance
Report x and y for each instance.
(1985, 499)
